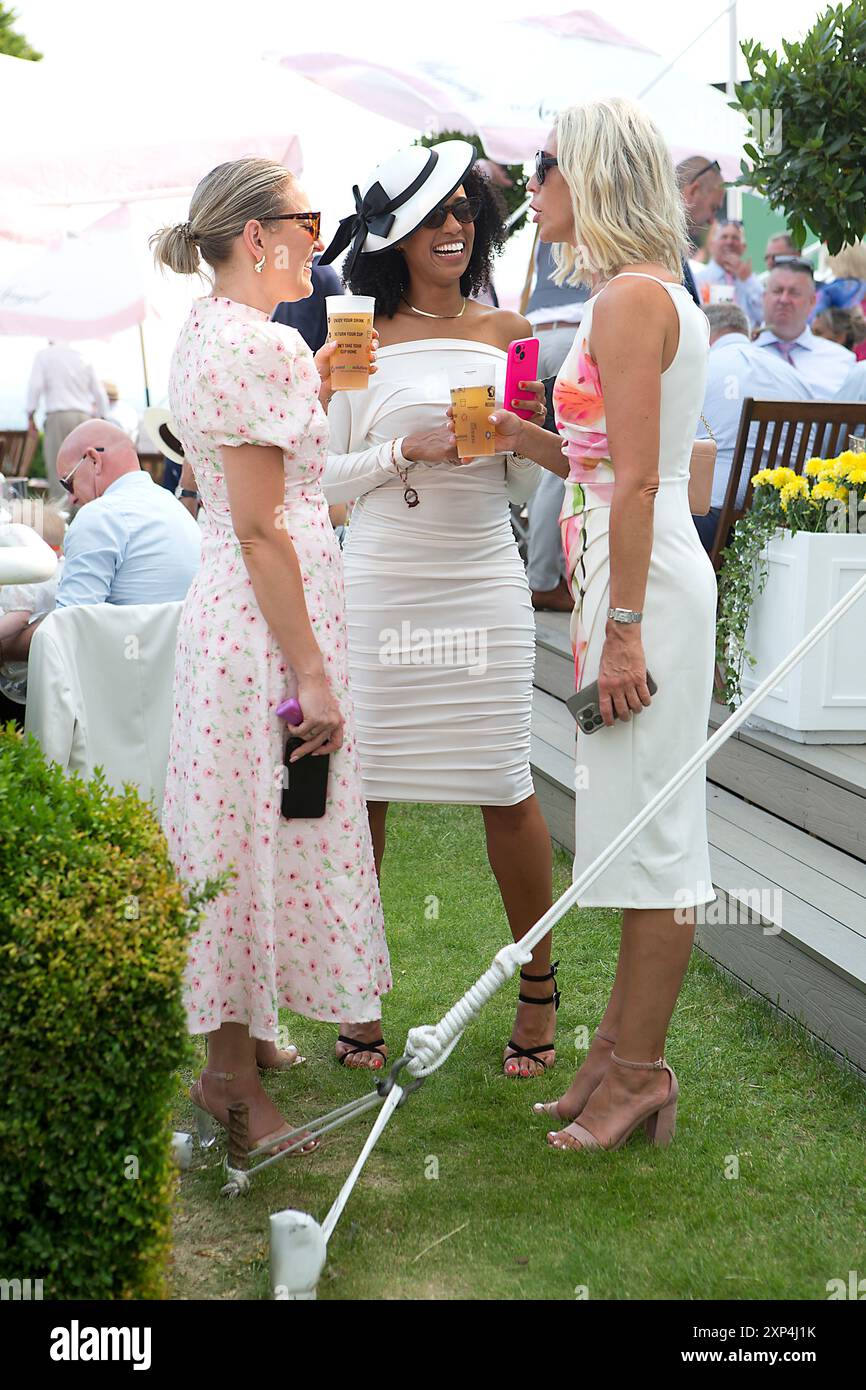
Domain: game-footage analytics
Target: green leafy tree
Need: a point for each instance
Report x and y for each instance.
(809, 135)
(15, 45)
(515, 196)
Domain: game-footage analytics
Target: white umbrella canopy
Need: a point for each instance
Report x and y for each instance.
(87, 137)
(84, 285)
(507, 82)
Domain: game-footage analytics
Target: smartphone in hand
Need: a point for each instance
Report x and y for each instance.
(586, 709)
(522, 365)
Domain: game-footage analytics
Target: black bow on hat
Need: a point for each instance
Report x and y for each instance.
(373, 213)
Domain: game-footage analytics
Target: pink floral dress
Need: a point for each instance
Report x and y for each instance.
(301, 925)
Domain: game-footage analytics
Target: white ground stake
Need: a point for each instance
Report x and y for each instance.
(295, 1236)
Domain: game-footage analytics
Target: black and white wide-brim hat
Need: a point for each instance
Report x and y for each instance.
(397, 197)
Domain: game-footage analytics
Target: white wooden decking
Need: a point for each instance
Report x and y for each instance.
(787, 827)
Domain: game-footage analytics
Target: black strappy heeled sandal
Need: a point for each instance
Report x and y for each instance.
(355, 1046)
(533, 1053)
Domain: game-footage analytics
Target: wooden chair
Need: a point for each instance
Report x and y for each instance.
(824, 428)
(17, 452)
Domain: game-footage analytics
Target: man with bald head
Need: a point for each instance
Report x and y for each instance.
(130, 541)
(703, 193)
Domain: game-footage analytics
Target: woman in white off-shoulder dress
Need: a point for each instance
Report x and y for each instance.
(441, 629)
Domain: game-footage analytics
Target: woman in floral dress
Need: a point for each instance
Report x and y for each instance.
(300, 925)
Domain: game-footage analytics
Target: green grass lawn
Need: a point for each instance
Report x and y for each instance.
(520, 1220)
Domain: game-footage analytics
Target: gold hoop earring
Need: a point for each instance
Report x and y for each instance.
(260, 265)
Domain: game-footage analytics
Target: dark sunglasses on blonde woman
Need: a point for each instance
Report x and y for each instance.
(464, 209)
(543, 162)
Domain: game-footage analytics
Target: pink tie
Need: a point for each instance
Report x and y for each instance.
(787, 351)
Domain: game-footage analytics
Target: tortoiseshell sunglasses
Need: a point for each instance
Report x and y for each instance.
(311, 220)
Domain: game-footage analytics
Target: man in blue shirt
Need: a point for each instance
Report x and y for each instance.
(789, 299)
(130, 541)
(737, 368)
(729, 276)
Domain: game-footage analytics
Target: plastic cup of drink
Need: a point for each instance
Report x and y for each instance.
(473, 399)
(350, 325)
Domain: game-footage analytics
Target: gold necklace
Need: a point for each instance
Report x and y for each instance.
(426, 315)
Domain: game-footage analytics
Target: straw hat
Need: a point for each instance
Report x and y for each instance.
(158, 424)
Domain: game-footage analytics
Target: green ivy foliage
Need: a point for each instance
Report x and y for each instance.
(812, 165)
(93, 937)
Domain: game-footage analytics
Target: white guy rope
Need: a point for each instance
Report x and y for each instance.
(429, 1045)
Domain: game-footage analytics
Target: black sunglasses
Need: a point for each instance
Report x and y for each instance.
(464, 209)
(543, 162)
(64, 482)
(312, 220)
(706, 169)
(792, 263)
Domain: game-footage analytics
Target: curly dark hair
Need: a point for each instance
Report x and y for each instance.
(385, 274)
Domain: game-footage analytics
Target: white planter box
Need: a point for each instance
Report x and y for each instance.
(823, 700)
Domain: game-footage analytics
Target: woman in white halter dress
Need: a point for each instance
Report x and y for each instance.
(628, 402)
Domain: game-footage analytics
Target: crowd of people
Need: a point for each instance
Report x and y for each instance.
(274, 608)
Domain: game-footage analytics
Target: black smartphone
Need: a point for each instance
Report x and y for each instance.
(305, 794)
(585, 707)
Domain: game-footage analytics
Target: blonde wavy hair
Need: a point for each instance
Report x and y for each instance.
(624, 194)
(224, 201)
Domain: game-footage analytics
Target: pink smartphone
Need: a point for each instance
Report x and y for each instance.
(522, 366)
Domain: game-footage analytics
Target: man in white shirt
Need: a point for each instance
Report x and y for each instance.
(120, 412)
(853, 388)
(70, 392)
(788, 301)
(738, 369)
(131, 541)
(729, 276)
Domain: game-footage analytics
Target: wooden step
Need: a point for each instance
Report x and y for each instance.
(789, 924)
(554, 664)
(816, 787)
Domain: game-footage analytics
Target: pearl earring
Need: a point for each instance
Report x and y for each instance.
(260, 265)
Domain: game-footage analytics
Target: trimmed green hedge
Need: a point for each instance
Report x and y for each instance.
(93, 931)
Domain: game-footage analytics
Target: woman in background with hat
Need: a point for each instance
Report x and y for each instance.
(300, 925)
(430, 547)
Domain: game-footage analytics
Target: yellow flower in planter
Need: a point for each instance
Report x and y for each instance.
(827, 490)
(793, 488)
(813, 467)
(857, 475)
(774, 477)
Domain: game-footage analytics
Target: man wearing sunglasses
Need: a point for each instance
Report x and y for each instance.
(703, 192)
(130, 541)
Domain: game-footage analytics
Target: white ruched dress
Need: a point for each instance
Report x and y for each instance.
(441, 632)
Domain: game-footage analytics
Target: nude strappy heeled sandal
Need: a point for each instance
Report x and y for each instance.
(659, 1121)
(206, 1119)
(551, 1107)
